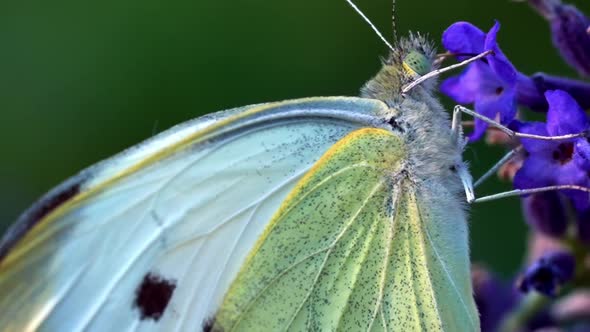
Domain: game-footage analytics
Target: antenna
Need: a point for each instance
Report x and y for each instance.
(370, 24)
(393, 22)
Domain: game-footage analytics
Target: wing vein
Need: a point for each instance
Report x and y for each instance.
(193, 259)
(394, 199)
(331, 247)
(237, 213)
(365, 255)
(116, 280)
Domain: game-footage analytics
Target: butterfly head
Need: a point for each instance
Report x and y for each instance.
(413, 55)
(410, 58)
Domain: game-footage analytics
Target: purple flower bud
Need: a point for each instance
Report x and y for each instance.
(548, 273)
(529, 93)
(530, 90)
(569, 29)
(494, 299)
(545, 213)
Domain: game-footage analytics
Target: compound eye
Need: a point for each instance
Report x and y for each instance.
(417, 63)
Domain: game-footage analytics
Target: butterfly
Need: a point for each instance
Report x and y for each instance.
(322, 213)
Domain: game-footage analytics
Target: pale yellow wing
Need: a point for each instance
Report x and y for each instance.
(356, 246)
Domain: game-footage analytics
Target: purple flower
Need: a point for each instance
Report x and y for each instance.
(548, 273)
(557, 162)
(545, 212)
(494, 298)
(568, 31)
(530, 90)
(488, 84)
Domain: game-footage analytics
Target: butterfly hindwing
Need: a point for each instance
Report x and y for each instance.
(428, 287)
(356, 246)
(328, 236)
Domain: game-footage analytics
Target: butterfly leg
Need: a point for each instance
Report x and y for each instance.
(457, 127)
(461, 167)
(520, 192)
(511, 132)
(497, 165)
(467, 182)
(508, 156)
(515, 192)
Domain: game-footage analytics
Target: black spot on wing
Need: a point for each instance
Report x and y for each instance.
(42, 208)
(153, 295)
(209, 326)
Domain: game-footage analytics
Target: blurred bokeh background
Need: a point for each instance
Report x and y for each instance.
(80, 81)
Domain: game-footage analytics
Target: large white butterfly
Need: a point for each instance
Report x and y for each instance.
(327, 213)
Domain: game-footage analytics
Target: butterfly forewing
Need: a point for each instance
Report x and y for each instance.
(173, 221)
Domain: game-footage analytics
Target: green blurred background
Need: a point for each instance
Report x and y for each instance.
(81, 81)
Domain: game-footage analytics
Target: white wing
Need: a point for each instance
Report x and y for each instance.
(152, 238)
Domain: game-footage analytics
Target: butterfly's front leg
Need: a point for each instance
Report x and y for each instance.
(457, 127)
(461, 167)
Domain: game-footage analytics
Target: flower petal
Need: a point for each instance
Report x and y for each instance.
(532, 145)
(582, 154)
(530, 92)
(579, 90)
(580, 199)
(569, 33)
(493, 297)
(546, 213)
(571, 174)
(536, 172)
(499, 62)
(488, 108)
(456, 88)
(463, 37)
(479, 129)
(491, 105)
(489, 84)
(565, 116)
(507, 106)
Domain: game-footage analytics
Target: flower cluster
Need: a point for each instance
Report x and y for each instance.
(497, 90)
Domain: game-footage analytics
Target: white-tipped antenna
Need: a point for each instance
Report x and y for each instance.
(370, 24)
